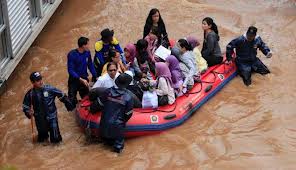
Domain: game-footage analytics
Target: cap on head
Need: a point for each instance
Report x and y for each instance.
(106, 34)
(123, 80)
(131, 74)
(35, 76)
(252, 31)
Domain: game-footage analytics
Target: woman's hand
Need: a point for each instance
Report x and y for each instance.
(144, 80)
(128, 65)
(180, 89)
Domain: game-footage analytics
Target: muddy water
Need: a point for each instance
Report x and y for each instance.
(240, 128)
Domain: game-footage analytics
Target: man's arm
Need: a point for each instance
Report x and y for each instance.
(27, 104)
(91, 66)
(62, 97)
(71, 65)
(230, 48)
(262, 46)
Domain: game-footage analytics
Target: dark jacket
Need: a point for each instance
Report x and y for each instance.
(101, 54)
(117, 110)
(162, 39)
(43, 101)
(246, 51)
(78, 63)
(211, 47)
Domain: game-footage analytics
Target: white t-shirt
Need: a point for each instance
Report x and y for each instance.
(105, 81)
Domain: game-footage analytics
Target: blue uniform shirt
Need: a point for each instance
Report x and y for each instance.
(45, 98)
(246, 51)
(78, 63)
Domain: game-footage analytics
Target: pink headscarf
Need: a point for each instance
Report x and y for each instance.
(162, 70)
(131, 48)
(192, 41)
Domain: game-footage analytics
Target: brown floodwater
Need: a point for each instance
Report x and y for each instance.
(240, 128)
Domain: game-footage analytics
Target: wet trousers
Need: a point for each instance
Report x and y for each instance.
(74, 86)
(245, 69)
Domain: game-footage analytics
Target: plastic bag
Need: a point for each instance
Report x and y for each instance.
(150, 99)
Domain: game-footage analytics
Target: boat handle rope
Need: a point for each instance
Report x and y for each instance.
(208, 88)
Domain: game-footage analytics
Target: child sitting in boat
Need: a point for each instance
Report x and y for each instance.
(163, 84)
(145, 63)
(200, 61)
(114, 56)
(152, 39)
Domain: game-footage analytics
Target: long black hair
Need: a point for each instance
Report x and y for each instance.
(141, 47)
(213, 25)
(149, 20)
(149, 24)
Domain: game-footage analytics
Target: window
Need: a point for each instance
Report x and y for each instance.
(3, 55)
(33, 9)
(1, 15)
(46, 2)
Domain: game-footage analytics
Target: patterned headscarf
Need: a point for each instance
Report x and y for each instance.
(131, 48)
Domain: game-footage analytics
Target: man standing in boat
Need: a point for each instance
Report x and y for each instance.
(40, 103)
(117, 110)
(246, 51)
(78, 61)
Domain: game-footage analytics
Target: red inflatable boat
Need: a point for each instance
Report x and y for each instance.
(151, 121)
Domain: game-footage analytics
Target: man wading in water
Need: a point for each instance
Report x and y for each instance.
(41, 98)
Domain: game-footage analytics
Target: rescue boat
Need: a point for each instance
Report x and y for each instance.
(153, 121)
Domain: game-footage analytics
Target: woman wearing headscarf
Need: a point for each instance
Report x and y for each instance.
(176, 72)
(130, 55)
(200, 61)
(163, 84)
